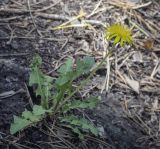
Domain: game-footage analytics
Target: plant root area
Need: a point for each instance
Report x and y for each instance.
(128, 84)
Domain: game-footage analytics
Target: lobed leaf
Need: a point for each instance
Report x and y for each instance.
(86, 103)
(67, 67)
(76, 131)
(67, 74)
(84, 66)
(81, 122)
(28, 115)
(19, 124)
(38, 110)
(36, 62)
(27, 118)
(44, 82)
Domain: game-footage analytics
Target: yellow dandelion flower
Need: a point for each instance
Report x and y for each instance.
(120, 33)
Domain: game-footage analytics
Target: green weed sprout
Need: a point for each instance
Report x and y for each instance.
(63, 102)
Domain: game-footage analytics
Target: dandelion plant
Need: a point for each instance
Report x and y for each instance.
(62, 103)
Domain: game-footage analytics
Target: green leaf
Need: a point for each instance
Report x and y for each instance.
(86, 103)
(84, 66)
(30, 116)
(27, 118)
(81, 122)
(44, 82)
(38, 110)
(66, 73)
(76, 131)
(62, 80)
(19, 124)
(36, 62)
(67, 67)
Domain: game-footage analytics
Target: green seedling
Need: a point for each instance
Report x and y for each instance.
(63, 101)
(63, 87)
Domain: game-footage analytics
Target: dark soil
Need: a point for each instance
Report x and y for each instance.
(126, 119)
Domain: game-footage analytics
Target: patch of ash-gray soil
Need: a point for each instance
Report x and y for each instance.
(114, 124)
(12, 94)
(22, 51)
(125, 127)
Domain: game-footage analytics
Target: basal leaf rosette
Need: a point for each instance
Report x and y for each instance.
(119, 33)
